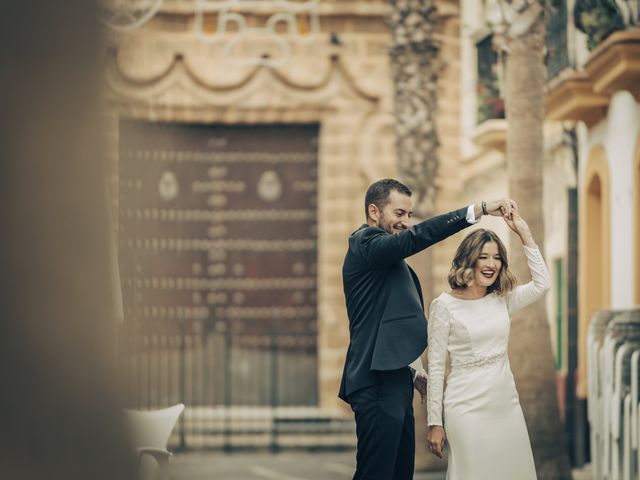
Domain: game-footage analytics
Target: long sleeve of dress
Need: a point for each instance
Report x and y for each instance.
(438, 330)
(540, 283)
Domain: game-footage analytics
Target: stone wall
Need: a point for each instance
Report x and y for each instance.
(163, 72)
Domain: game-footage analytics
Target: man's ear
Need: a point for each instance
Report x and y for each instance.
(374, 212)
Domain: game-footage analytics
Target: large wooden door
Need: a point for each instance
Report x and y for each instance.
(218, 249)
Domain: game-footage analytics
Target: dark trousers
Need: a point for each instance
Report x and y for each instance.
(385, 428)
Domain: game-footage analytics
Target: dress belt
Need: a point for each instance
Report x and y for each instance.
(480, 362)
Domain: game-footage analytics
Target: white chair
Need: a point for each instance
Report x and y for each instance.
(149, 432)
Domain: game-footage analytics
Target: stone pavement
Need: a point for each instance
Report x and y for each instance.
(583, 473)
(289, 465)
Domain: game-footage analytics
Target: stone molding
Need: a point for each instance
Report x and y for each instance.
(571, 96)
(585, 94)
(176, 82)
(615, 64)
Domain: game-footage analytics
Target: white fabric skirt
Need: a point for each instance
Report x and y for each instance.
(485, 427)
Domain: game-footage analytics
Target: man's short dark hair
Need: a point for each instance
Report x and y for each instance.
(378, 193)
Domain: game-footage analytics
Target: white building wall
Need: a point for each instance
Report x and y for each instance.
(492, 183)
(617, 133)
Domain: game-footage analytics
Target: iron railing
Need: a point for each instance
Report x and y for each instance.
(240, 390)
(557, 58)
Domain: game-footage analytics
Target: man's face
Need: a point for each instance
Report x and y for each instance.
(395, 216)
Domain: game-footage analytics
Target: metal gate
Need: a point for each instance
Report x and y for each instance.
(218, 252)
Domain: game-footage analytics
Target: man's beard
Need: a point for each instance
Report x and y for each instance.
(387, 226)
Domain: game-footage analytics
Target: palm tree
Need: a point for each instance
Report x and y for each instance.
(522, 43)
(414, 70)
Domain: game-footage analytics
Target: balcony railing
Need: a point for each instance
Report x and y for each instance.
(600, 19)
(557, 58)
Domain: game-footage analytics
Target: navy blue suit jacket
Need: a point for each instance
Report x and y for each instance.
(387, 325)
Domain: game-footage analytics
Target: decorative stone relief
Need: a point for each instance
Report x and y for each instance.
(269, 186)
(168, 186)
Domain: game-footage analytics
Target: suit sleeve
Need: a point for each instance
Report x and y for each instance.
(381, 249)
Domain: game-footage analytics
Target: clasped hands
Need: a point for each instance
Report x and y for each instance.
(504, 207)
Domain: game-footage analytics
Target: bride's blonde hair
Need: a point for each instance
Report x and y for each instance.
(461, 273)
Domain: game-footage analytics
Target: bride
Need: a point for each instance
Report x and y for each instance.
(479, 412)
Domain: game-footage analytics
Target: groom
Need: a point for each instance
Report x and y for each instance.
(387, 326)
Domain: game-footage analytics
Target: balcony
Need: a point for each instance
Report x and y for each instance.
(557, 58)
(615, 64)
(570, 96)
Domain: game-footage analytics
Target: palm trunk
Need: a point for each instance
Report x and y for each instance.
(530, 347)
(414, 70)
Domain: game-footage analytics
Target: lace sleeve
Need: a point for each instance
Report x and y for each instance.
(438, 330)
(540, 283)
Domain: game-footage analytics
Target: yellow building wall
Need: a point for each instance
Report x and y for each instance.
(593, 251)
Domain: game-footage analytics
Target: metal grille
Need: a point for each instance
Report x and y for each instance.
(556, 41)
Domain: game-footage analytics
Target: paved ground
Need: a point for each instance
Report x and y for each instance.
(260, 466)
(295, 465)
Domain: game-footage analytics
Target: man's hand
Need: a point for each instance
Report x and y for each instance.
(435, 440)
(420, 384)
(503, 207)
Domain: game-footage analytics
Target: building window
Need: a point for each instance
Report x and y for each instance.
(490, 103)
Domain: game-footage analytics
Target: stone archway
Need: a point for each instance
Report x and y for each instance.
(594, 251)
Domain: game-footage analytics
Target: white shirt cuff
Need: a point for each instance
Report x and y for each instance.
(416, 367)
(415, 374)
(471, 214)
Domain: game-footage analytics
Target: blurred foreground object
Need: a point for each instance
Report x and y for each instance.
(60, 416)
(150, 432)
(613, 367)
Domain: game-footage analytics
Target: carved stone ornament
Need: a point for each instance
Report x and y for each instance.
(269, 186)
(168, 186)
(127, 15)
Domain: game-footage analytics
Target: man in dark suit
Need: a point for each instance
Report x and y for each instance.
(387, 326)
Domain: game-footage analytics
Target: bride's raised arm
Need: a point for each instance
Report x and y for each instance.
(540, 283)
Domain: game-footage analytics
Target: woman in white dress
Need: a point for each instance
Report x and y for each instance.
(479, 410)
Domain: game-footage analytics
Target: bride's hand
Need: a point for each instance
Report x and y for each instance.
(517, 224)
(521, 228)
(435, 440)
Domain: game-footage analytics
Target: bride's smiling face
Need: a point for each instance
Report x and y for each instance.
(488, 265)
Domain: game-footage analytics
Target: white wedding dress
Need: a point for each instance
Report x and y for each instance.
(486, 432)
